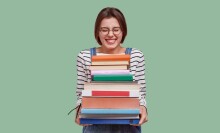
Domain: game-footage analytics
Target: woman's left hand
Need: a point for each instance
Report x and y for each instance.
(143, 116)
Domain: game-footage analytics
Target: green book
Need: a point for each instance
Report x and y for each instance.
(118, 77)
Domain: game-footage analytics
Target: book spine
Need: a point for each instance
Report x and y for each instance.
(111, 58)
(111, 86)
(108, 121)
(110, 103)
(128, 77)
(109, 116)
(100, 72)
(104, 93)
(110, 111)
(104, 63)
(124, 67)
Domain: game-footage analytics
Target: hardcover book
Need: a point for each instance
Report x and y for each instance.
(110, 103)
(115, 77)
(111, 58)
(111, 86)
(109, 116)
(111, 72)
(109, 93)
(110, 111)
(123, 67)
(104, 63)
(108, 121)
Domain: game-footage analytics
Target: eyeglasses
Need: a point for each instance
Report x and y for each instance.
(115, 30)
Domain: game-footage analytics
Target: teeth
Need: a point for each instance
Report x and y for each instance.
(111, 40)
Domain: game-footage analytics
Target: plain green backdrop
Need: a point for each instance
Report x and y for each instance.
(40, 39)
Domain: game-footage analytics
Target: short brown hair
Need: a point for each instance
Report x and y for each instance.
(109, 12)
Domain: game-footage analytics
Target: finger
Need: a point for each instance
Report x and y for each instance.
(143, 118)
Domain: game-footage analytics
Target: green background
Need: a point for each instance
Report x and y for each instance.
(39, 42)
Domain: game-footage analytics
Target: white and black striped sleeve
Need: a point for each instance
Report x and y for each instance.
(140, 77)
(81, 77)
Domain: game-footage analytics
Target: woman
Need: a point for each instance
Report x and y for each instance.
(110, 32)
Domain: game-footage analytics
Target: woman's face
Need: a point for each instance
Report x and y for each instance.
(110, 33)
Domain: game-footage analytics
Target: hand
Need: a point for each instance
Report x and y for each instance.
(143, 116)
(77, 120)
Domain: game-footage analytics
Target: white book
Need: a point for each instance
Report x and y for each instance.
(124, 67)
(105, 63)
(112, 86)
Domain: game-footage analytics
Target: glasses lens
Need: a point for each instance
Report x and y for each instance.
(117, 31)
(104, 31)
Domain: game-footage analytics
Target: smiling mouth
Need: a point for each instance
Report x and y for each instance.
(110, 41)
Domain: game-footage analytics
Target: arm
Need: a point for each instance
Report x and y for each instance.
(81, 79)
(140, 77)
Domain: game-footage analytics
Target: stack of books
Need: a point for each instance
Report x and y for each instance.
(112, 95)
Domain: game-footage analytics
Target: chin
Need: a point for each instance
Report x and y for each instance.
(112, 46)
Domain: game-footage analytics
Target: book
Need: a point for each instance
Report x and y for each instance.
(105, 63)
(109, 116)
(110, 111)
(100, 72)
(108, 77)
(110, 58)
(110, 103)
(122, 67)
(111, 86)
(113, 81)
(109, 121)
(107, 93)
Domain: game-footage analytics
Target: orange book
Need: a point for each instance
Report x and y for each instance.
(110, 103)
(111, 58)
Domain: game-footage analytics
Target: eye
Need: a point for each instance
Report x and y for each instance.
(116, 29)
(104, 30)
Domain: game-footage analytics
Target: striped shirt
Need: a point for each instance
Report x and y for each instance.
(137, 69)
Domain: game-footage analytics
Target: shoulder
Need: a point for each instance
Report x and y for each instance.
(136, 53)
(84, 53)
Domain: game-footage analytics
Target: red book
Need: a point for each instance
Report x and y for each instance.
(111, 58)
(111, 93)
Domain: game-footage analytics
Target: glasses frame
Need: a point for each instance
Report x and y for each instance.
(110, 30)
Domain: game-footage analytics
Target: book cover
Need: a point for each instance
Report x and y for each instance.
(110, 103)
(109, 121)
(109, 116)
(106, 63)
(112, 86)
(110, 111)
(108, 93)
(112, 72)
(122, 67)
(108, 77)
(113, 81)
(111, 58)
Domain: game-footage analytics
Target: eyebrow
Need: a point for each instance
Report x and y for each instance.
(108, 27)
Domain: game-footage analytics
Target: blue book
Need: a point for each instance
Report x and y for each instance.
(108, 121)
(110, 111)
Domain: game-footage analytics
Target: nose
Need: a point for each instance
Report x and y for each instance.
(110, 33)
